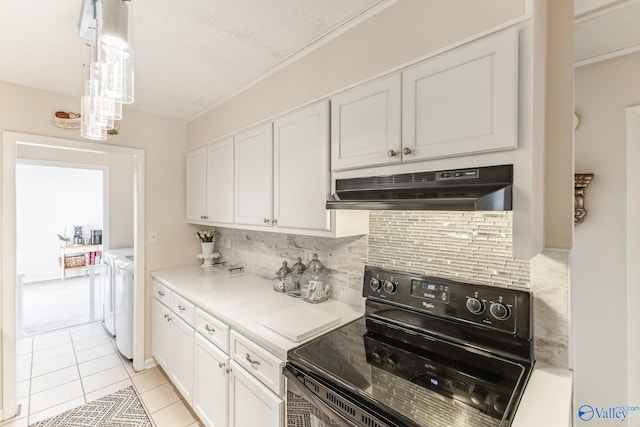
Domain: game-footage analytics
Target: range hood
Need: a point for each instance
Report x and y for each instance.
(487, 188)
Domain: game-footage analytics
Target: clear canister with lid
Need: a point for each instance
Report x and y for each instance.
(314, 284)
(278, 281)
(292, 281)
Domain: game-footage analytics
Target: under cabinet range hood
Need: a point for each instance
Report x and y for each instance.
(486, 188)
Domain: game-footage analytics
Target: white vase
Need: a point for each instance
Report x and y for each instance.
(207, 248)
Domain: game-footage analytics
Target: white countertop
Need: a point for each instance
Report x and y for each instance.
(547, 399)
(242, 301)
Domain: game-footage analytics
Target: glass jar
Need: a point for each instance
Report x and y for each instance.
(278, 282)
(292, 281)
(314, 284)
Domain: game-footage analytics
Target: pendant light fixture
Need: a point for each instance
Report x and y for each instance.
(108, 78)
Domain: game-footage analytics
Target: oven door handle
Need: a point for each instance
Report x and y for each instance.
(296, 385)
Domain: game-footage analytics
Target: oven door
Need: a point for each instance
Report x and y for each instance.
(309, 396)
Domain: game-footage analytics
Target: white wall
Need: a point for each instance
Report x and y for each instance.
(603, 91)
(49, 201)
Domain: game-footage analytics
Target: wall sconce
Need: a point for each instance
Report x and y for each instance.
(581, 182)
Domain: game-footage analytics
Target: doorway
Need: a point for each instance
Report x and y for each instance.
(15, 145)
(58, 253)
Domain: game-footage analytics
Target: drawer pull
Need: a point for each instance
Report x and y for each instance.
(228, 370)
(254, 363)
(166, 316)
(161, 293)
(220, 364)
(209, 329)
(181, 308)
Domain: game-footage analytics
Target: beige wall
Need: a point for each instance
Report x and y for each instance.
(407, 30)
(28, 110)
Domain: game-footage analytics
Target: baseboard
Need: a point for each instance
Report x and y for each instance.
(150, 363)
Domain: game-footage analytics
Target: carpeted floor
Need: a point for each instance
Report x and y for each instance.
(120, 409)
(58, 304)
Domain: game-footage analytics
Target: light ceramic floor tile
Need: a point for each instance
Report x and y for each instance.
(23, 388)
(104, 378)
(23, 359)
(175, 415)
(108, 390)
(17, 422)
(94, 352)
(54, 379)
(129, 367)
(91, 341)
(23, 404)
(159, 397)
(99, 364)
(197, 424)
(23, 372)
(24, 345)
(87, 331)
(149, 379)
(55, 410)
(51, 339)
(52, 352)
(53, 364)
(56, 396)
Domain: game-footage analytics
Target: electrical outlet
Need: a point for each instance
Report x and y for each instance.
(153, 237)
(228, 242)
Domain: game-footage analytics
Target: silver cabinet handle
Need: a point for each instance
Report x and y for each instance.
(221, 364)
(254, 363)
(209, 329)
(275, 221)
(161, 293)
(228, 370)
(169, 318)
(406, 151)
(266, 220)
(391, 153)
(181, 308)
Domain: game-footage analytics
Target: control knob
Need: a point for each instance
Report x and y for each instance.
(475, 306)
(375, 284)
(390, 287)
(477, 396)
(500, 311)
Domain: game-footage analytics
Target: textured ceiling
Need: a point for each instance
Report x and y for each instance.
(189, 55)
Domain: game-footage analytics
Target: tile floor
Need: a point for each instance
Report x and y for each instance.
(60, 370)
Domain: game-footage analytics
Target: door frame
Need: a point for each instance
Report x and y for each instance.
(10, 141)
(632, 116)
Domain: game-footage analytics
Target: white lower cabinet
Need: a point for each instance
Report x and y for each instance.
(251, 403)
(181, 368)
(228, 380)
(210, 391)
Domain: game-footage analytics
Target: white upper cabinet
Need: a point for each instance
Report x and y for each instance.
(254, 176)
(197, 184)
(463, 101)
(366, 125)
(220, 181)
(301, 169)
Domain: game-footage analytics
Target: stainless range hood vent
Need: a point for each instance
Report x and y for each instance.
(470, 189)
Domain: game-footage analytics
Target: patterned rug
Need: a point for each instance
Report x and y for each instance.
(120, 409)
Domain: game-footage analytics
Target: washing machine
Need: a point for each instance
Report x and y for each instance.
(123, 304)
(108, 286)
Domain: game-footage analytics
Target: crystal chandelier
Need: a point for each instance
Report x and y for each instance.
(108, 78)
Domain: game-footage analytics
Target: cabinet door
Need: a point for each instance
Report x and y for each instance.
(301, 169)
(161, 334)
(463, 101)
(251, 404)
(210, 388)
(254, 180)
(181, 365)
(366, 124)
(197, 184)
(220, 181)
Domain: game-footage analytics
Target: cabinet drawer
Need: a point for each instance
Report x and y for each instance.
(260, 363)
(162, 293)
(183, 308)
(213, 330)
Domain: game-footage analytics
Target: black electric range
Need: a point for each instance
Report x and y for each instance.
(429, 352)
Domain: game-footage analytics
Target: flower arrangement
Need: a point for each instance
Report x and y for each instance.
(64, 239)
(206, 236)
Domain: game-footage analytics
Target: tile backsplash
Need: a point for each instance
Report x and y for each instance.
(467, 246)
